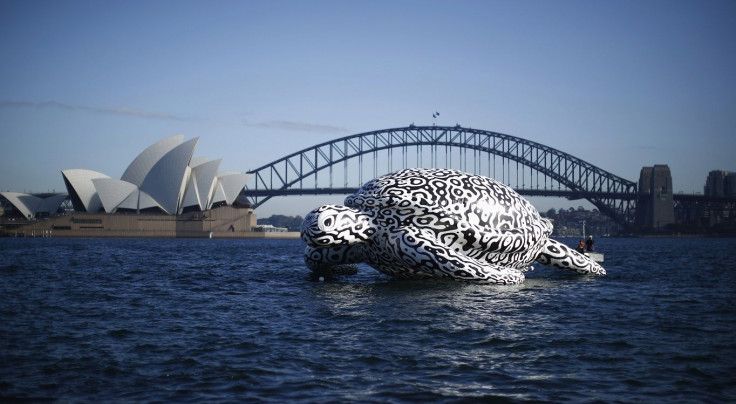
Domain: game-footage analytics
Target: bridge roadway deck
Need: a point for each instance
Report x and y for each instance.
(573, 195)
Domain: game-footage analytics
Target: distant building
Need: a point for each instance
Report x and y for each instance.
(720, 183)
(655, 205)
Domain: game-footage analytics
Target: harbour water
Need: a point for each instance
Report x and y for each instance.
(176, 320)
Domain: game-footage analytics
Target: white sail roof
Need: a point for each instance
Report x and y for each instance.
(206, 176)
(30, 205)
(165, 181)
(164, 176)
(82, 186)
(52, 203)
(113, 192)
(25, 203)
(141, 166)
(231, 185)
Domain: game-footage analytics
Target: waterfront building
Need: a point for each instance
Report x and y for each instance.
(164, 192)
(164, 178)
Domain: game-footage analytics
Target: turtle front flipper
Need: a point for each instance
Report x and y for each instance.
(558, 255)
(333, 260)
(424, 254)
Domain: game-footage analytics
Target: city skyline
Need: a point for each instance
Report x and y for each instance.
(621, 85)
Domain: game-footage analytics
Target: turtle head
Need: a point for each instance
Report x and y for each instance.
(331, 225)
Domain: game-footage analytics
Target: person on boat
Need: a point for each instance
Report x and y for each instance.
(589, 244)
(581, 246)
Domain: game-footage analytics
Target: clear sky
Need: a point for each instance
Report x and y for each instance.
(620, 84)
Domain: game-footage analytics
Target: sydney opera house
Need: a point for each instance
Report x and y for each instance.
(163, 178)
(164, 192)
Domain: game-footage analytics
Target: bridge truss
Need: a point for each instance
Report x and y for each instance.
(340, 166)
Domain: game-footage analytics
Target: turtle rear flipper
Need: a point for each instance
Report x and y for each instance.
(558, 255)
(507, 241)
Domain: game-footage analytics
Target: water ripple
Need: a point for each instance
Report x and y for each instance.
(240, 320)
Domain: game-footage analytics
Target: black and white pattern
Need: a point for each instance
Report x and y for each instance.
(419, 223)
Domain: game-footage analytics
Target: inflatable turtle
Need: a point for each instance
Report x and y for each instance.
(419, 223)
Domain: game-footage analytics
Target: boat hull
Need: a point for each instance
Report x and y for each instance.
(595, 256)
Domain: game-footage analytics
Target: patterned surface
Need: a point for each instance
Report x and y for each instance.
(418, 223)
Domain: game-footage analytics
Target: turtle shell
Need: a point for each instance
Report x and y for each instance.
(442, 199)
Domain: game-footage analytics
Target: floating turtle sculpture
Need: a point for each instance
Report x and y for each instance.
(422, 223)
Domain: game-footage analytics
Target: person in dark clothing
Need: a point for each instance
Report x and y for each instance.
(589, 244)
(581, 246)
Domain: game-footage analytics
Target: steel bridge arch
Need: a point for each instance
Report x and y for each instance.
(612, 195)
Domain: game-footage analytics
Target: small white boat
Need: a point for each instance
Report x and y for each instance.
(595, 256)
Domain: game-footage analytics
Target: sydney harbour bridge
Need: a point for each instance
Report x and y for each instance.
(342, 165)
